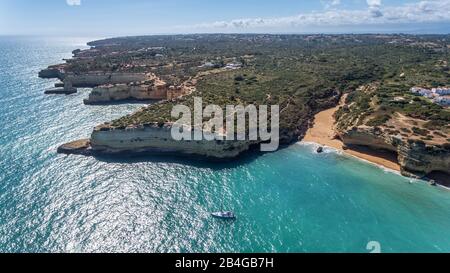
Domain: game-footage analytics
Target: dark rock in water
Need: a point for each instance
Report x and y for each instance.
(50, 73)
(320, 150)
(76, 51)
(433, 183)
(60, 91)
(66, 89)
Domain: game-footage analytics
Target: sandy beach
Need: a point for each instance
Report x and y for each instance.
(323, 133)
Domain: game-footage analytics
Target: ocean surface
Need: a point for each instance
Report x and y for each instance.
(293, 200)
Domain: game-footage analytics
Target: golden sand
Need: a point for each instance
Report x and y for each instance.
(323, 133)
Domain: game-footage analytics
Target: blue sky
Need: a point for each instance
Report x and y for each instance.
(134, 17)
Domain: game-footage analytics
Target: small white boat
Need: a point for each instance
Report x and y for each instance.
(223, 215)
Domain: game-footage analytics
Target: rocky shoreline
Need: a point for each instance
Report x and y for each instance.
(415, 157)
(410, 158)
(150, 89)
(377, 116)
(142, 142)
(156, 138)
(77, 147)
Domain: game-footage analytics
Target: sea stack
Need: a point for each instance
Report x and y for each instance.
(67, 89)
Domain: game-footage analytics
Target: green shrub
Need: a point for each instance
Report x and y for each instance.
(419, 131)
(378, 120)
(239, 78)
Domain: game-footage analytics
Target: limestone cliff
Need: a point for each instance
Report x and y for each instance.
(52, 72)
(151, 138)
(116, 86)
(151, 89)
(415, 157)
(92, 78)
(385, 117)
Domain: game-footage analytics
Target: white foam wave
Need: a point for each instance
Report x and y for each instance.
(313, 146)
(327, 149)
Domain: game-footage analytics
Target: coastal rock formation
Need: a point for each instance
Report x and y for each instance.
(151, 89)
(81, 146)
(92, 78)
(62, 88)
(385, 117)
(115, 86)
(154, 139)
(414, 156)
(292, 72)
(52, 72)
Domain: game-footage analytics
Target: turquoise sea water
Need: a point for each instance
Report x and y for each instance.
(293, 200)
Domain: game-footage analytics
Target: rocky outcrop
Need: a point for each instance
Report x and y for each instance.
(93, 78)
(115, 86)
(118, 92)
(82, 146)
(52, 72)
(153, 89)
(152, 138)
(414, 156)
(64, 88)
(418, 158)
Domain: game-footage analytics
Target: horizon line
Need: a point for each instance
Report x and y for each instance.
(231, 33)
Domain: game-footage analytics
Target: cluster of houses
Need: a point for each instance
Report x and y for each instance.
(439, 95)
(208, 65)
(233, 66)
(229, 66)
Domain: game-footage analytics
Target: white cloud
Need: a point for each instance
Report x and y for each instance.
(330, 3)
(374, 3)
(73, 2)
(375, 8)
(429, 11)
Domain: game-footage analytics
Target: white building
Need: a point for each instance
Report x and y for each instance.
(422, 91)
(415, 89)
(207, 64)
(233, 65)
(442, 91)
(442, 100)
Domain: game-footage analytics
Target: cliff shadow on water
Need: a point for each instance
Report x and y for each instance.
(389, 155)
(198, 161)
(438, 177)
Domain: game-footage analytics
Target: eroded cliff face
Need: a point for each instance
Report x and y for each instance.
(379, 118)
(415, 157)
(118, 86)
(92, 78)
(153, 138)
(151, 89)
(52, 72)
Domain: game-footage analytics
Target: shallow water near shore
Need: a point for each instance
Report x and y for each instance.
(294, 200)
